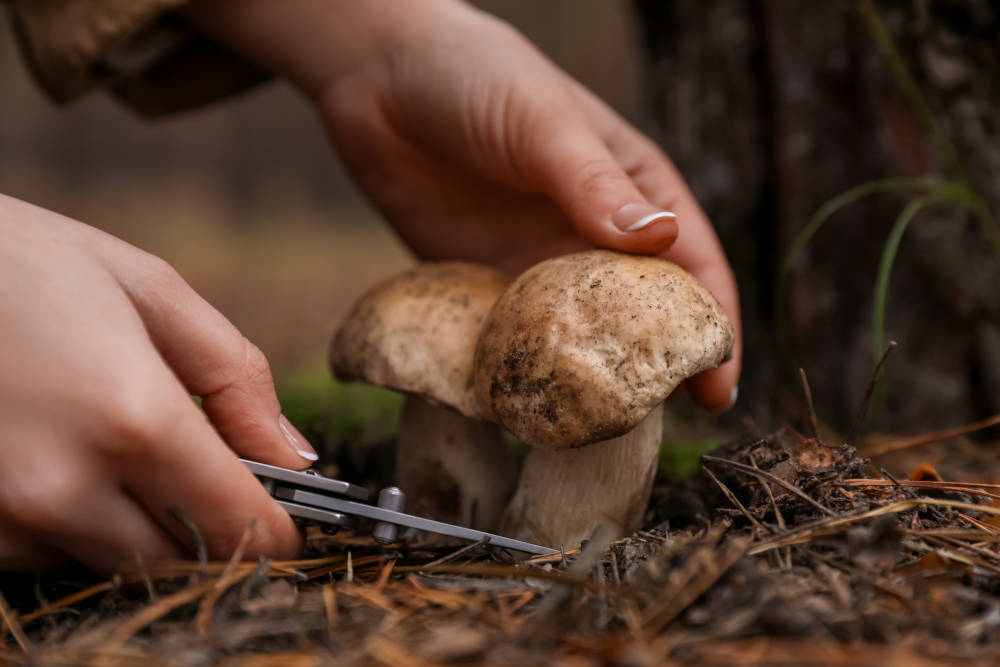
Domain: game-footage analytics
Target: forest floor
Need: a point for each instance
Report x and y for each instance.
(783, 549)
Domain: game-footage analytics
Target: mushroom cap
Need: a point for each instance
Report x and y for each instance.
(417, 332)
(580, 348)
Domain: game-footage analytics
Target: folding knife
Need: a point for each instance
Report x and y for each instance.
(311, 497)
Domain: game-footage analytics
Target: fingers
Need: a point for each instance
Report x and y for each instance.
(139, 431)
(601, 200)
(697, 248)
(164, 450)
(590, 189)
(166, 455)
(213, 360)
(70, 508)
(104, 529)
(716, 390)
(98, 435)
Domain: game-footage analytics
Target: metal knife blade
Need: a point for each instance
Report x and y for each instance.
(303, 497)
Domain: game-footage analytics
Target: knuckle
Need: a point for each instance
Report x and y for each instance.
(37, 503)
(649, 161)
(161, 274)
(598, 176)
(133, 422)
(152, 279)
(255, 365)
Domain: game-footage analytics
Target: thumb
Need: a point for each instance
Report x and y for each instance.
(601, 200)
(213, 360)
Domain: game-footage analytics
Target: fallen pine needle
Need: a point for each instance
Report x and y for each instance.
(834, 526)
(347, 565)
(525, 598)
(734, 500)
(369, 595)
(702, 568)
(172, 569)
(460, 552)
(79, 596)
(11, 623)
(928, 438)
(203, 620)
(158, 609)
(760, 474)
(992, 530)
(389, 653)
(384, 575)
(960, 487)
(957, 533)
(447, 599)
(330, 606)
(497, 571)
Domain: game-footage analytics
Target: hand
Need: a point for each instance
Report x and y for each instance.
(477, 147)
(102, 347)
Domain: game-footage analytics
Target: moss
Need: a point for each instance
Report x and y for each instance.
(332, 413)
(681, 459)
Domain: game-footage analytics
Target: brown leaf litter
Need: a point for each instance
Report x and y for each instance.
(789, 551)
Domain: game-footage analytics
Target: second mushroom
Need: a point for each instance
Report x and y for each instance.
(576, 359)
(417, 333)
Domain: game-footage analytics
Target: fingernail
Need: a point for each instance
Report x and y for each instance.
(733, 396)
(633, 217)
(295, 439)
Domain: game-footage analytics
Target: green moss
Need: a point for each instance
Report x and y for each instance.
(681, 459)
(330, 413)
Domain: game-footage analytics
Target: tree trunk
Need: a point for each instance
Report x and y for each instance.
(771, 108)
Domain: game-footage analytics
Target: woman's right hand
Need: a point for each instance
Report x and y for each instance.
(475, 146)
(101, 347)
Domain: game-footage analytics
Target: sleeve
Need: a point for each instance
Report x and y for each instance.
(139, 50)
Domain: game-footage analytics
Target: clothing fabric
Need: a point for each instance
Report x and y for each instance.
(139, 50)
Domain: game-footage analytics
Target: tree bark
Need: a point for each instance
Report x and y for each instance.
(770, 108)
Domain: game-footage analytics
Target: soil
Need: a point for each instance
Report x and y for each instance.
(784, 550)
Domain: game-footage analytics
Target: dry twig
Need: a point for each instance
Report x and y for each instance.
(756, 472)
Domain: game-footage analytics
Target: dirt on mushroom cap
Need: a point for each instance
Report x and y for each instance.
(581, 347)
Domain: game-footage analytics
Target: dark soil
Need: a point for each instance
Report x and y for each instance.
(784, 550)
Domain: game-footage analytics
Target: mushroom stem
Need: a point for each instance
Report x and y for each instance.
(453, 468)
(564, 494)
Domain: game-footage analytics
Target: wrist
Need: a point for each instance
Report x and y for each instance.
(317, 42)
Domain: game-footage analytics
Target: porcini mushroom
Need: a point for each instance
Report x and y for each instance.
(417, 333)
(576, 358)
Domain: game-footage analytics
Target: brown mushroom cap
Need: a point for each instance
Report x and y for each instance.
(580, 348)
(417, 332)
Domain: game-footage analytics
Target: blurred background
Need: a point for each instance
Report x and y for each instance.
(246, 197)
(771, 109)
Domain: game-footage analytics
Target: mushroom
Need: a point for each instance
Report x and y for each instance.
(575, 359)
(417, 333)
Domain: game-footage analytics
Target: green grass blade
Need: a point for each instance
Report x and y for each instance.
(911, 91)
(956, 193)
(846, 198)
(945, 148)
(990, 227)
(813, 226)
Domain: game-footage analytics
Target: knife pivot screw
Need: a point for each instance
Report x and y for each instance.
(389, 498)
